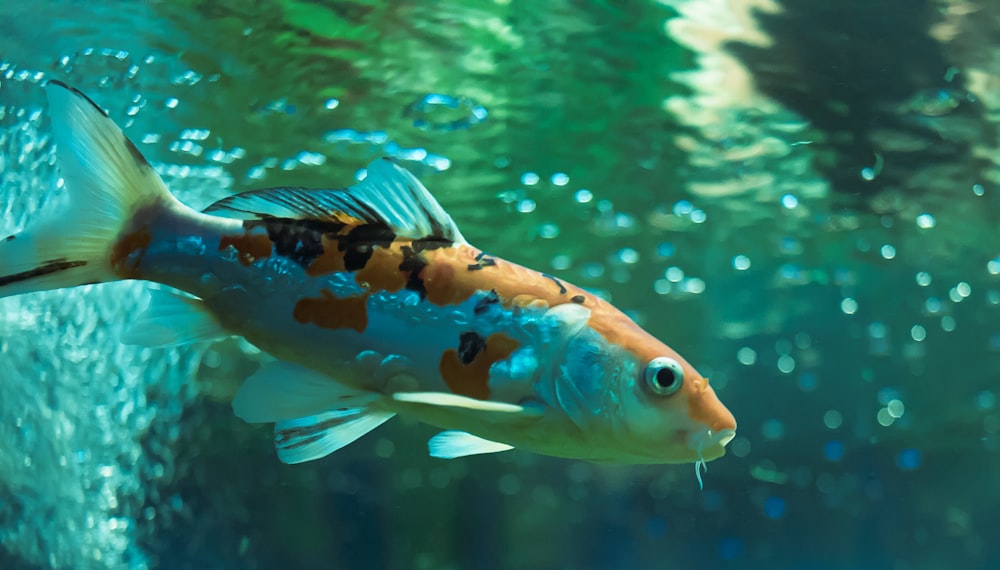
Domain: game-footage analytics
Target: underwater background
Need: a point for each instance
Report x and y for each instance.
(801, 197)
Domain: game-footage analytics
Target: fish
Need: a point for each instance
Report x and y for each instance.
(371, 304)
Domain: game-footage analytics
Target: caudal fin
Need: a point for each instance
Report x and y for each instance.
(107, 180)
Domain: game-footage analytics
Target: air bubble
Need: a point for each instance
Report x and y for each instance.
(849, 306)
(993, 266)
(694, 285)
(884, 418)
(628, 255)
(746, 356)
(877, 330)
(548, 231)
(948, 323)
(926, 221)
(832, 419)
(895, 408)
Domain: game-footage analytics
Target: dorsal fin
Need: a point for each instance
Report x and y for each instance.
(388, 195)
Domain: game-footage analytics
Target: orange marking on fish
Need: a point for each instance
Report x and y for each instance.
(330, 261)
(444, 285)
(450, 279)
(473, 379)
(250, 246)
(382, 272)
(127, 244)
(331, 312)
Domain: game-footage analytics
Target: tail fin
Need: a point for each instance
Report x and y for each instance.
(107, 179)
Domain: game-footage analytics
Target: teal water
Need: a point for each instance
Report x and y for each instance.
(801, 200)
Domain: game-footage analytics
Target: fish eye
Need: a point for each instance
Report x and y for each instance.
(664, 376)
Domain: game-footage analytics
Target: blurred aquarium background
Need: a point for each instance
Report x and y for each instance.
(802, 197)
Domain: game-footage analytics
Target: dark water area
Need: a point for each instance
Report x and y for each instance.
(800, 197)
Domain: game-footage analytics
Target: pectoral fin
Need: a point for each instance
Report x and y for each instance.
(314, 437)
(451, 444)
(314, 414)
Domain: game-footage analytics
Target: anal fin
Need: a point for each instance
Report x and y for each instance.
(173, 319)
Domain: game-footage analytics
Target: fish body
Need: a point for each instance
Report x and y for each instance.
(373, 304)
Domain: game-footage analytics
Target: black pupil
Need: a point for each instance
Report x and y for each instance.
(665, 378)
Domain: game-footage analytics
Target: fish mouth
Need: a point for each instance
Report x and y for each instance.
(709, 445)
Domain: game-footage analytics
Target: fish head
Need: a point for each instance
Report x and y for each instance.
(638, 401)
(669, 411)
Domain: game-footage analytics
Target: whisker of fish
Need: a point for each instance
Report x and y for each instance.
(700, 466)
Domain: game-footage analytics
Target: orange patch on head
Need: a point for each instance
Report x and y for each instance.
(127, 244)
(705, 407)
(330, 312)
(250, 246)
(473, 379)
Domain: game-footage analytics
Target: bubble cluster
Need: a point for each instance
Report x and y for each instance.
(442, 112)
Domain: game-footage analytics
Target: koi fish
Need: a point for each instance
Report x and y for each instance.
(372, 304)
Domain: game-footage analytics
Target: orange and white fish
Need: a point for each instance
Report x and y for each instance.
(373, 304)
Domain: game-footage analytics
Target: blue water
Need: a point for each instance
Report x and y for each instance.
(801, 199)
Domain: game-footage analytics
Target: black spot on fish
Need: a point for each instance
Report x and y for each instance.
(482, 260)
(360, 242)
(10, 238)
(430, 242)
(470, 344)
(413, 263)
(562, 288)
(578, 299)
(486, 301)
(298, 240)
(53, 266)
